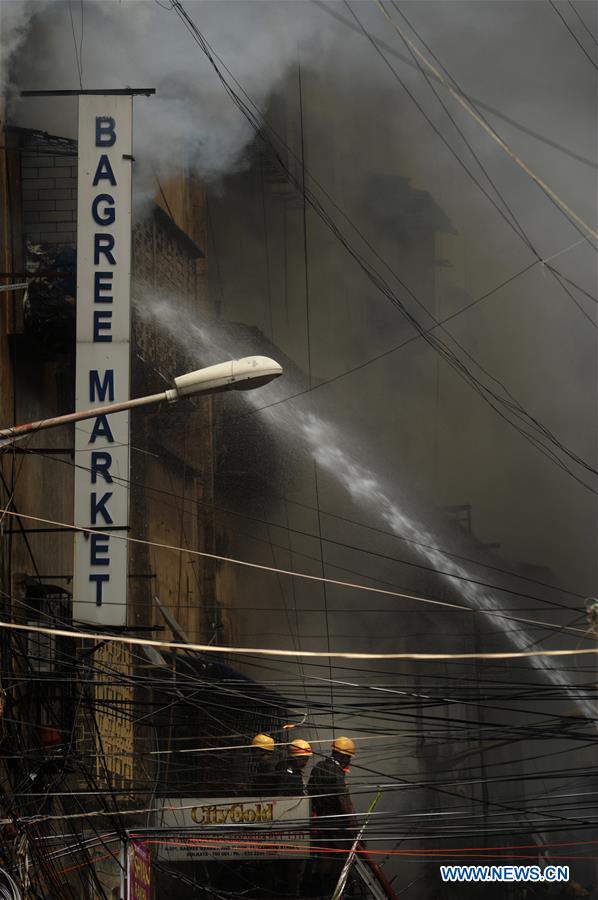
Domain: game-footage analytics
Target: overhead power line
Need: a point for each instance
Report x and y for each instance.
(510, 219)
(583, 22)
(333, 13)
(572, 33)
(461, 100)
(302, 575)
(503, 402)
(271, 651)
(348, 546)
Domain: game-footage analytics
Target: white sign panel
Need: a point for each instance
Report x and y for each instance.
(102, 369)
(235, 828)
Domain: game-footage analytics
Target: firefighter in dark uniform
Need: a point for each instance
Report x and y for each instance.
(290, 772)
(335, 824)
(265, 775)
(289, 873)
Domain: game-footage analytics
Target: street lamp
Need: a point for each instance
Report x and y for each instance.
(236, 374)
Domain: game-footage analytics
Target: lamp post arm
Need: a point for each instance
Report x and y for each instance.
(236, 374)
(7, 435)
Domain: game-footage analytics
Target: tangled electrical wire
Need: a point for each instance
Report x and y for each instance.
(491, 389)
(8, 888)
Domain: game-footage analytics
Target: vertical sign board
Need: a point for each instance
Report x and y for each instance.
(102, 369)
(139, 872)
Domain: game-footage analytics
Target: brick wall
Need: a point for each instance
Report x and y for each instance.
(164, 264)
(49, 191)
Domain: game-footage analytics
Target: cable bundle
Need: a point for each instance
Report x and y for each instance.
(8, 888)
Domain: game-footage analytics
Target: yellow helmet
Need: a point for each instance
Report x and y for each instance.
(299, 748)
(344, 745)
(263, 742)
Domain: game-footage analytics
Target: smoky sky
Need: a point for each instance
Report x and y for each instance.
(313, 69)
(190, 122)
(364, 138)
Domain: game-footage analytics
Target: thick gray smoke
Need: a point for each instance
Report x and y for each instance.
(190, 122)
(369, 144)
(347, 465)
(15, 19)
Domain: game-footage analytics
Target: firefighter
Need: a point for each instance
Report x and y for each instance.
(330, 799)
(287, 876)
(290, 772)
(264, 779)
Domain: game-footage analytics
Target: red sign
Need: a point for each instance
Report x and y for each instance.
(139, 872)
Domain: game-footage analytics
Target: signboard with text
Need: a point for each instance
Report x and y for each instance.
(139, 872)
(102, 367)
(235, 828)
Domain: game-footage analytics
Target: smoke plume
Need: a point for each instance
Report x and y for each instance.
(190, 123)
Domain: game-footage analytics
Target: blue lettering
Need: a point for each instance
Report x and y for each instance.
(100, 580)
(103, 244)
(101, 428)
(99, 507)
(101, 323)
(99, 544)
(107, 215)
(101, 461)
(98, 389)
(105, 131)
(104, 172)
(102, 281)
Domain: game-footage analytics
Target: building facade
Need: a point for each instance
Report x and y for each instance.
(77, 716)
